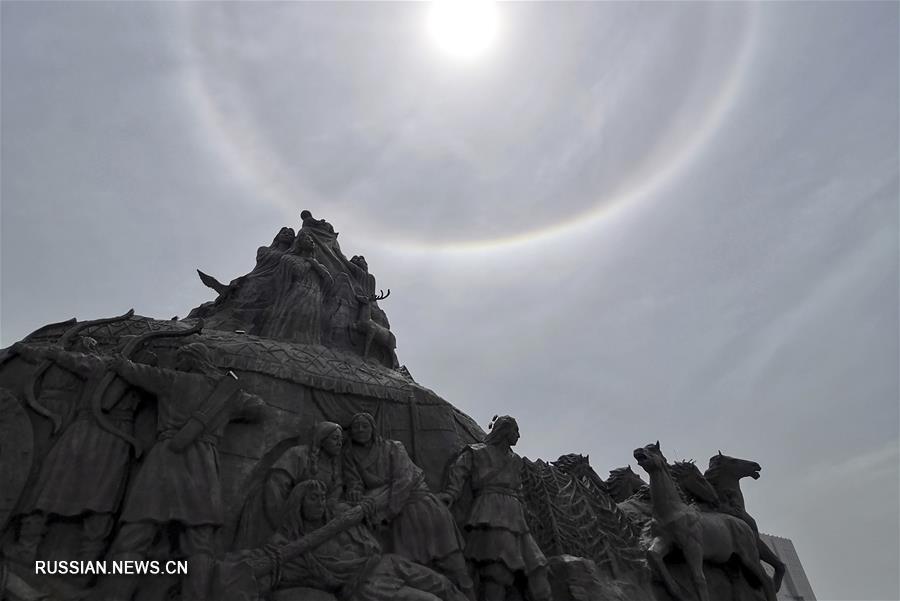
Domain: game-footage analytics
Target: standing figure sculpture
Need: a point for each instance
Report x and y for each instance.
(296, 313)
(308, 221)
(324, 235)
(349, 564)
(422, 528)
(178, 484)
(359, 268)
(339, 314)
(498, 539)
(701, 536)
(262, 512)
(725, 474)
(84, 473)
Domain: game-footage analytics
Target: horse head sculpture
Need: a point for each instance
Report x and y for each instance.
(725, 474)
(723, 465)
(700, 536)
(650, 458)
(692, 482)
(623, 482)
(579, 467)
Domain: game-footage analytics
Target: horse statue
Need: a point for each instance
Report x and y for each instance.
(623, 483)
(695, 488)
(701, 536)
(725, 475)
(631, 494)
(579, 467)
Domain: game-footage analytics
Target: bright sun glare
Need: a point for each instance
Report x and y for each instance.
(464, 29)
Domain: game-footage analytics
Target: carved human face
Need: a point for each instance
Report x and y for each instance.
(285, 237)
(360, 261)
(332, 443)
(513, 436)
(306, 245)
(361, 431)
(313, 507)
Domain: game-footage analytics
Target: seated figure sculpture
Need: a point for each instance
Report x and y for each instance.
(350, 564)
(265, 504)
(422, 528)
(498, 539)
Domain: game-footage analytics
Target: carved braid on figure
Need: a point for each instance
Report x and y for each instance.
(263, 509)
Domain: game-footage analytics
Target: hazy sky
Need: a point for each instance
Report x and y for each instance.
(623, 222)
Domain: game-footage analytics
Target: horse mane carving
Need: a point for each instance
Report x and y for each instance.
(692, 485)
(716, 468)
(623, 483)
(579, 467)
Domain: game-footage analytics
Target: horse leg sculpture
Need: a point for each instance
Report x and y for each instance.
(656, 555)
(693, 555)
(766, 555)
(752, 566)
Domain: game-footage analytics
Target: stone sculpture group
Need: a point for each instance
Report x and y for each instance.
(273, 440)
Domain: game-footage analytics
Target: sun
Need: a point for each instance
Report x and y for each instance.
(463, 29)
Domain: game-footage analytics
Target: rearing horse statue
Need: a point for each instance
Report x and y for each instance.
(725, 475)
(701, 536)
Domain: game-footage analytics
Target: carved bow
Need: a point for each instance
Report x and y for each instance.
(130, 348)
(65, 339)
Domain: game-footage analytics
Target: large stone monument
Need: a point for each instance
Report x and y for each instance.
(273, 445)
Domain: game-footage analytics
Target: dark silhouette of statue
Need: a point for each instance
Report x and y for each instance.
(498, 540)
(97, 442)
(700, 536)
(311, 222)
(725, 474)
(375, 335)
(240, 303)
(303, 290)
(296, 312)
